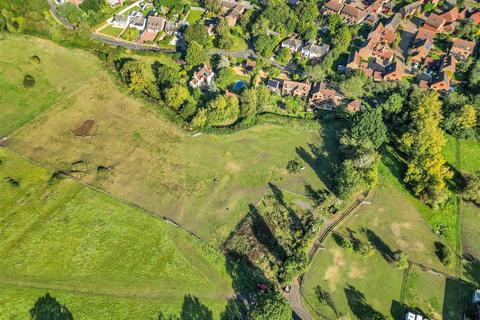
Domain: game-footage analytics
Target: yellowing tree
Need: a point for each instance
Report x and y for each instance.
(467, 117)
(423, 143)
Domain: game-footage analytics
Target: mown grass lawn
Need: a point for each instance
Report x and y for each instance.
(60, 72)
(470, 217)
(469, 154)
(112, 31)
(194, 16)
(59, 236)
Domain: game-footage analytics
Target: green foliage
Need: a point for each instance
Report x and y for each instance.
(352, 86)
(401, 260)
(212, 5)
(472, 190)
(474, 78)
(393, 104)
(131, 73)
(196, 54)
(347, 244)
(220, 111)
(176, 96)
(368, 125)
(264, 45)
(165, 75)
(292, 267)
(197, 33)
(423, 144)
(70, 11)
(284, 56)
(92, 5)
(271, 306)
(224, 38)
(276, 16)
(294, 166)
(48, 308)
(307, 13)
(292, 104)
(225, 78)
(467, 29)
(248, 103)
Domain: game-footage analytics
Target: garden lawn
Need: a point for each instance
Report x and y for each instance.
(204, 183)
(58, 235)
(60, 72)
(112, 31)
(339, 284)
(194, 16)
(469, 154)
(470, 216)
(438, 297)
(393, 220)
(131, 34)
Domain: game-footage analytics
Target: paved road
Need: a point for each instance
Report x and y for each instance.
(54, 11)
(294, 299)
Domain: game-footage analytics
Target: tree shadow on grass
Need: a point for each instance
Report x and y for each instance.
(360, 308)
(380, 245)
(264, 235)
(325, 298)
(48, 308)
(322, 159)
(296, 222)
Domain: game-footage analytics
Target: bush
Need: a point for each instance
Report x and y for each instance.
(35, 59)
(28, 81)
(365, 249)
(294, 166)
(401, 260)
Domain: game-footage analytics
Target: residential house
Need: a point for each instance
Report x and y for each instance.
(411, 9)
(295, 88)
(353, 61)
(353, 15)
(421, 46)
(332, 7)
(233, 10)
(292, 44)
(274, 85)
(138, 22)
(475, 17)
(155, 24)
(249, 65)
(435, 22)
(354, 106)
(440, 81)
(120, 21)
(462, 49)
(313, 51)
(394, 71)
(391, 27)
(171, 27)
(232, 17)
(202, 77)
(449, 64)
(323, 97)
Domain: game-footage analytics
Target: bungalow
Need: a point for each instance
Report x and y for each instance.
(332, 7)
(462, 49)
(411, 9)
(440, 82)
(313, 51)
(171, 27)
(323, 97)
(138, 22)
(295, 88)
(353, 15)
(202, 77)
(120, 21)
(155, 24)
(292, 44)
(394, 71)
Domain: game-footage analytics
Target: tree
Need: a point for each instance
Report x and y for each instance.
(474, 79)
(70, 11)
(467, 117)
(368, 125)
(212, 5)
(92, 5)
(292, 104)
(401, 260)
(196, 54)
(264, 45)
(197, 33)
(28, 81)
(270, 306)
(165, 75)
(472, 190)
(352, 86)
(176, 96)
(248, 103)
(423, 143)
(284, 55)
(222, 111)
(224, 38)
(393, 104)
(307, 13)
(48, 308)
(342, 38)
(225, 77)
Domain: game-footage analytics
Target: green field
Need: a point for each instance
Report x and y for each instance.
(346, 285)
(393, 220)
(469, 154)
(60, 236)
(112, 31)
(60, 72)
(204, 183)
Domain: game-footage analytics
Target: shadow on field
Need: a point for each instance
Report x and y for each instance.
(296, 222)
(380, 245)
(47, 307)
(360, 308)
(325, 298)
(264, 235)
(322, 159)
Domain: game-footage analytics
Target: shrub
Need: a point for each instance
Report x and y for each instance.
(365, 249)
(347, 244)
(294, 166)
(443, 253)
(401, 260)
(28, 81)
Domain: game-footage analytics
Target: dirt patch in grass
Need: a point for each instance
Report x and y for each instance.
(87, 129)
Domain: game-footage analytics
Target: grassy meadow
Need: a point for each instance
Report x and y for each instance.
(60, 236)
(469, 154)
(204, 182)
(60, 72)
